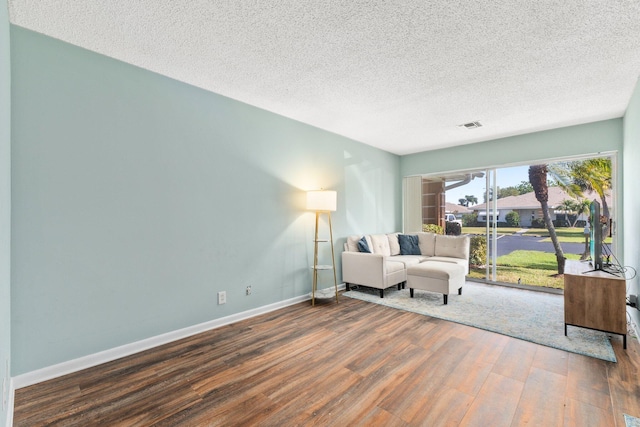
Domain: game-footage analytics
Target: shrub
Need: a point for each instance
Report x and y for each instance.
(477, 250)
(513, 219)
(453, 228)
(432, 228)
(470, 220)
(561, 223)
(538, 223)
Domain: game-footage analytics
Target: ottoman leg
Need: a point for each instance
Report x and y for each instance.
(459, 291)
(381, 293)
(411, 292)
(445, 299)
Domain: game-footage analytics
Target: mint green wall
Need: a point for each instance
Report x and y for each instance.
(136, 198)
(568, 141)
(631, 196)
(5, 206)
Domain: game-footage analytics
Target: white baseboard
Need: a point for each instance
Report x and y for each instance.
(75, 365)
(10, 400)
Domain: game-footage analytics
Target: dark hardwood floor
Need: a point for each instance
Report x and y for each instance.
(346, 364)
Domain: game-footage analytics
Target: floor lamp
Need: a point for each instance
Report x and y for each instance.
(322, 201)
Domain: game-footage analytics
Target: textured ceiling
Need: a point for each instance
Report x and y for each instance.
(398, 75)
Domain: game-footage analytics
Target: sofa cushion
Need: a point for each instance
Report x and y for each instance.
(408, 260)
(352, 243)
(393, 267)
(363, 246)
(436, 270)
(408, 244)
(380, 244)
(461, 262)
(427, 243)
(394, 245)
(452, 246)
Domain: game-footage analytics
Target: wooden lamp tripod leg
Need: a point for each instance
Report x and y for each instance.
(333, 257)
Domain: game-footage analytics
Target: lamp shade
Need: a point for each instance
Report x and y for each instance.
(321, 200)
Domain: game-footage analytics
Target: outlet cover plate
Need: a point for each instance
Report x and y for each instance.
(222, 297)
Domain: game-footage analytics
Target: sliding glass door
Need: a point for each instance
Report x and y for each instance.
(504, 214)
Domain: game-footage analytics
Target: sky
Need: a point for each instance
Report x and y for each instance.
(506, 177)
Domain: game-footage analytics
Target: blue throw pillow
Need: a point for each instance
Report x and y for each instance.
(408, 244)
(363, 246)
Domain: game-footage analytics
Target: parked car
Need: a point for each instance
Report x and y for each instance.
(452, 218)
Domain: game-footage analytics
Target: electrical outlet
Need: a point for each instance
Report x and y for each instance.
(633, 300)
(222, 297)
(248, 290)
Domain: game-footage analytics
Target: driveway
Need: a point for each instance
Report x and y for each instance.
(510, 243)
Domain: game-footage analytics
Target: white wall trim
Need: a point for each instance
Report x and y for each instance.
(75, 365)
(10, 400)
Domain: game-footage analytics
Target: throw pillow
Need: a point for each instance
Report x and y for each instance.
(394, 246)
(352, 243)
(427, 243)
(408, 244)
(379, 244)
(452, 246)
(363, 246)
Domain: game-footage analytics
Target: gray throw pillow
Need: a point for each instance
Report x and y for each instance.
(363, 246)
(408, 244)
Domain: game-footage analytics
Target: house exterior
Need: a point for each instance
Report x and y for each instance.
(457, 210)
(528, 207)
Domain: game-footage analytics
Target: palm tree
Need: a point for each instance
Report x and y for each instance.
(575, 207)
(594, 175)
(570, 207)
(471, 200)
(582, 207)
(463, 202)
(538, 179)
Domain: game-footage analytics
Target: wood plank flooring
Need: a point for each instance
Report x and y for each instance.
(353, 363)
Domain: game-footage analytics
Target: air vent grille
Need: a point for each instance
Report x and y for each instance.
(471, 125)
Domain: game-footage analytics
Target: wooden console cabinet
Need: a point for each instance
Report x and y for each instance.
(594, 300)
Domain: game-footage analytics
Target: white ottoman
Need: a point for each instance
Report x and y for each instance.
(436, 276)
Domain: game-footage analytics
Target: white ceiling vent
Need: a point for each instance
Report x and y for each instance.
(471, 125)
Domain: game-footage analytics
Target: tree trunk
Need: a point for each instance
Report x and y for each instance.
(538, 180)
(554, 237)
(605, 213)
(561, 261)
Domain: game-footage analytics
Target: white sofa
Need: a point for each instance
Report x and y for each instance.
(386, 264)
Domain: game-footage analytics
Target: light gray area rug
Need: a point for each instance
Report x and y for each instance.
(529, 315)
(631, 421)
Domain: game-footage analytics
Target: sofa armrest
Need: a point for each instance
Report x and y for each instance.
(363, 268)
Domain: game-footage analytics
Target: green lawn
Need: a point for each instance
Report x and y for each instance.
(531, 267)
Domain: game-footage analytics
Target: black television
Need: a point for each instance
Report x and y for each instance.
(595, 243)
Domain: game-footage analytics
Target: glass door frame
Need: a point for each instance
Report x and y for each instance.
(491, 187)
